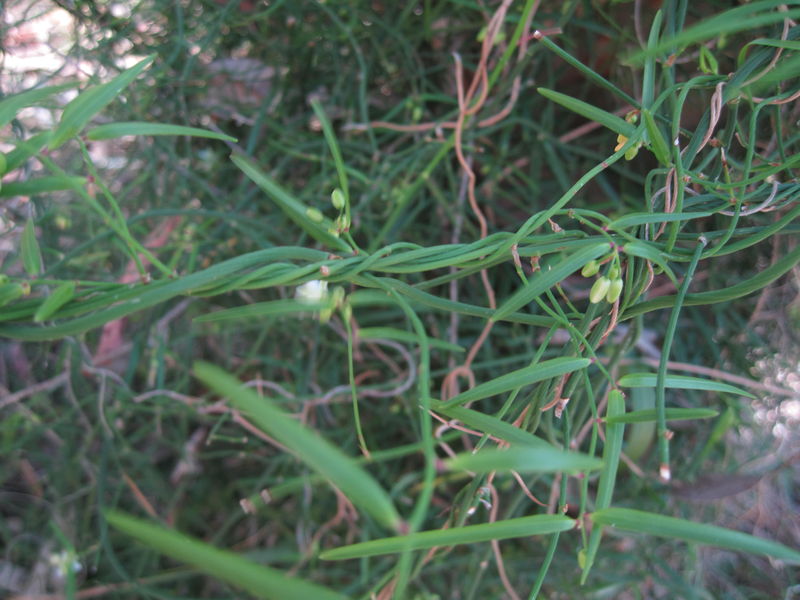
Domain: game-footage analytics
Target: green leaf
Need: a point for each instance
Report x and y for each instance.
(615, 433)
(116, 130)
(41, 185)
(648, 252)
(524, 459)
(275, 308)
(25, 149)
(657, 142)
(519, 378)
(672, 414)
(443, 304)
(258, 580)
(31, 255)
(544, 280)
(60, 296)
(591, 112)
(471, 534)
(492, 426)
(336, 153)
(294, 209)
(634, 219)
(307, 445)
(731, 21)
(10, 106)
(670, 527)
(683, 382)
(755, 283)
(91, 101)
(10, 292)
(110, 306)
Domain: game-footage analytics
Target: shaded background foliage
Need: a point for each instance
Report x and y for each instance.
(251, 70)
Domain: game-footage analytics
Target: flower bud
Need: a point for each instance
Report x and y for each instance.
(613, 272)
(337, 199)
(614, 291)
(599, 290)
(590, 269)
(314, 215)
(632, 152)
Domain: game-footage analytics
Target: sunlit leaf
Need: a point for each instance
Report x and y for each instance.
(471, 534)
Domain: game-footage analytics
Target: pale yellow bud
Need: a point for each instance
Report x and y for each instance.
(599, 290)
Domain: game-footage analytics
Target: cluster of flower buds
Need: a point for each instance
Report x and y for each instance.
(631, 152)
(608, 286)
(342, 222)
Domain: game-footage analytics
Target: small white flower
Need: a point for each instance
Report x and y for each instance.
(63, 562)
(312, 291)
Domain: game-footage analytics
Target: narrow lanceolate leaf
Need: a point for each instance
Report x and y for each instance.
(276, 308)
(670, 527)
(25, 149)
(29, 249)
(635, 219)
(258, 580)
(91, 101)
(10, 106)
(683, 382)
(116, 130)
(58, 298)
(648, 252)
(298, 212)
(319, 454)
(521, 377)
(672, 414)
(743, 288)
(737, 19)
(493, 426)
(657, 142)
(591, 112)
(544, 280)
(524, 460)
(615, 433)
(10, 292)
(41, 185)
(471, 534)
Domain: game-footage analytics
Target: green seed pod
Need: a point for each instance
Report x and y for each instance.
(599, 290)
(614, 290)
(590, 269)
(314, 215)
(337, 199)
